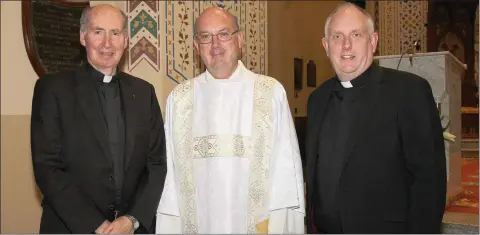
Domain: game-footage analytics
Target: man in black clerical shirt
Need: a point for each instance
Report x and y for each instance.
(97, 138)
(375, 149)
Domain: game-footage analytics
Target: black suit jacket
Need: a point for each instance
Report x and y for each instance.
(71, 159)
(393, 179)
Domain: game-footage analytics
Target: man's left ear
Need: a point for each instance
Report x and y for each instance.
(240, 39)
(126, 41)
(374, 41)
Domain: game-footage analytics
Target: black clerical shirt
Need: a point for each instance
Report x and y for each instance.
(335, 130)
(111, 105)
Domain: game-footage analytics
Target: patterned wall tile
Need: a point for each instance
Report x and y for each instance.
(263, 38)
(400, 23)
(144, 30)
(372, 8)
(252, 34)
(179, 39)
(389, 28)
(413, 17)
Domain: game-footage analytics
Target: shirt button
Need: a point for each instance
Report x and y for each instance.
(111, 207)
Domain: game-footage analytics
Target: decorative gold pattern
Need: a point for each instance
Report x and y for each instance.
(400, 24)
(262, 135)
(206, 146)
(262, 38)
(238, 145)
(183, 144)
(413, 17)
(220, 146)
(251, 37)
(215, 146)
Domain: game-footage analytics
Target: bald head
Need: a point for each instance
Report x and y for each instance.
(350, 7)
(216, 14)
(101, 9)
(350, 41)
(218, 41)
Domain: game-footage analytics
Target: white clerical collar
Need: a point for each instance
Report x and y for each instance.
(236, 75)
(107, 79)
(347, 84)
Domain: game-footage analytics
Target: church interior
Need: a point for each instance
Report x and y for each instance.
(438, 40)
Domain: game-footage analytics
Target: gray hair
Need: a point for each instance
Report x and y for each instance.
(85, 18)
(370, 21)
(235, 21)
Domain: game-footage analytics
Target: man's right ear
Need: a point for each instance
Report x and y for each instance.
(195, 44)
(325, 45)
(82, 38)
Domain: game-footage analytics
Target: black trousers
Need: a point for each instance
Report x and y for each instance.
(328, 224)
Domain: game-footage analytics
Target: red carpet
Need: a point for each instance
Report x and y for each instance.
(467, 201)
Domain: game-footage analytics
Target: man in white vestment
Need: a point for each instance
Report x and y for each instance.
(233, 160)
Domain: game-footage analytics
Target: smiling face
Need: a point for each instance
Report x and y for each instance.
(350, 43)
(104, 38)
(219, 56)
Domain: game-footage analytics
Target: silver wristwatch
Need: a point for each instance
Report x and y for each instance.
(135, 222)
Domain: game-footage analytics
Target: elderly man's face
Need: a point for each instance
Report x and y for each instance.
(349, 45)
(104, 38)
(220, 57)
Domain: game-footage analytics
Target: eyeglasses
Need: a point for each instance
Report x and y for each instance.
(223, 36)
